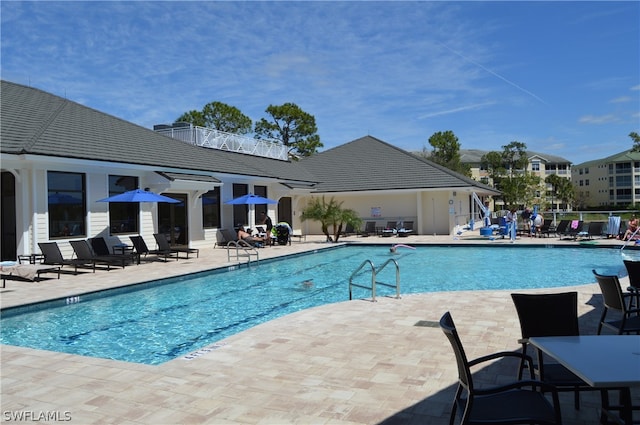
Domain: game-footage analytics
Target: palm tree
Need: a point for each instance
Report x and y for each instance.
(330, 214)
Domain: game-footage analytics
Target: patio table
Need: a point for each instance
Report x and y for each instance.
(602, 361)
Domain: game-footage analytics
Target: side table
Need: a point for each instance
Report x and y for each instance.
(31, 258)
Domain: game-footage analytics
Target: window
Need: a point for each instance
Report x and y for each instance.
(586, 182)
(211, 208)
(623, 167)
(260, 191)
(66, 204)
(623, 180)
(623, 194)
(123, 216)
(535, 166)
(240, 212)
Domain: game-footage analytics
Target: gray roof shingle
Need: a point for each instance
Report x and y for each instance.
(36, 122)
(369, 164)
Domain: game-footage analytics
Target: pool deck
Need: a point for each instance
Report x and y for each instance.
(355, 362)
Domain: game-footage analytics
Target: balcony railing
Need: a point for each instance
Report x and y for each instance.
(215, 139)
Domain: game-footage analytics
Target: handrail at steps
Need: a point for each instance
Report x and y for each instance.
(397, 285)
(248, 251)
(374, 281)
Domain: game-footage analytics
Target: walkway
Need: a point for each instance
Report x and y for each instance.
(351, 363)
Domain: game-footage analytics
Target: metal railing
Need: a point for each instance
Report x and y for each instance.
(215, 139)
(374, 282)
(242, 250)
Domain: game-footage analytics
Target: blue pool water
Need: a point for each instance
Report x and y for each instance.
(171, 318)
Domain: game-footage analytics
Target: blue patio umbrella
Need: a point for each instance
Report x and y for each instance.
(63, 199)
(138, 195)
(251, 199)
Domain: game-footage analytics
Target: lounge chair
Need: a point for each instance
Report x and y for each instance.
(389, 229)
(593, 229)
(572, 229)
(369, 229)
(561, 228)
(519, 402)
(406, 229)
(53, 257)
(100, 248)
(227, 236)
(25, 272)
(141, 249)
(543, 315)
(547, 229)
(163, 245)
(348, 230)
(84, 252)
(628, 320)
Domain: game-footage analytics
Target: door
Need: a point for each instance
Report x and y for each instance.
(8, 248)
(173, 219)
(284, 210)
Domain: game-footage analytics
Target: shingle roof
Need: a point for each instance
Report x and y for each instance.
(36, 122)
(624, 156)
(369, 164)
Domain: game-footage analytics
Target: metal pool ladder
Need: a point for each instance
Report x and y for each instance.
(242, 251)
(374, 282)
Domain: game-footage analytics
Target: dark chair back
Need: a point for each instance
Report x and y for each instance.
(633, 269)
(408, 225)
(99, 246)
(464, 373)
(614, 299)
(163, 243)
(562, 226)
(82, 249)
(51, 252)
(139, 244)
(370, 227)
(611, 292)
(547, 314)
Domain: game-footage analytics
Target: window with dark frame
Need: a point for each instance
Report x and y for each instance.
(211, 208)
(66, 204)
(123, 216)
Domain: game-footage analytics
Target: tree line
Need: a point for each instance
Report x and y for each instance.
(287, 123)
(508, 171)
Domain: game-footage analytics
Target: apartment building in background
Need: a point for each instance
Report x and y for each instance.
(610, 181)
(540, 164)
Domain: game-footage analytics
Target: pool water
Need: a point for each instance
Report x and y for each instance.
(181, 315)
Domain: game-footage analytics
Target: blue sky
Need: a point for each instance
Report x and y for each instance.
(561, 77)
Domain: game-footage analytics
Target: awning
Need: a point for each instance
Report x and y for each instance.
(187, 181)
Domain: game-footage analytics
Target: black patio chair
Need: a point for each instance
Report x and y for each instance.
(628, 320)
(142, 250)
(84, 252)
(633, 270)
(369, 229)
(562, 227)
(100, 248)
(543, 315)
(519, 402)
(53, 257)
(164, 245)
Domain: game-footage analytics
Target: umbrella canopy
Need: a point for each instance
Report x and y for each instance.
(251, 199)
(138, 195)
(62, 198)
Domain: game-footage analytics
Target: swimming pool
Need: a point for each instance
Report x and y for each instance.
(156, 322)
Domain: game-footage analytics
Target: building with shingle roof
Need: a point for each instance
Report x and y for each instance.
(54, 149)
